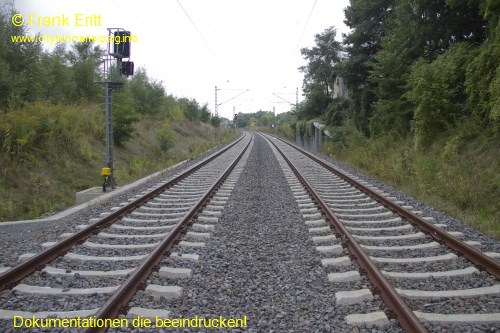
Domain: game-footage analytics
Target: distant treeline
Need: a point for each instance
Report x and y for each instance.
(410, 67)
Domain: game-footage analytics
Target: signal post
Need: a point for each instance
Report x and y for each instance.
(115, 71)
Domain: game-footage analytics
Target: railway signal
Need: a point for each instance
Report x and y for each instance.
(114, 73)
(235, 120)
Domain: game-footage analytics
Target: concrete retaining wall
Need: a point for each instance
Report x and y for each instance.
(314, 142)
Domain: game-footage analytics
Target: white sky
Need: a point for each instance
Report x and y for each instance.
(253, 44)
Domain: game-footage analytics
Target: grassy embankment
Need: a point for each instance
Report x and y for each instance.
(47, 153)
(458, 175)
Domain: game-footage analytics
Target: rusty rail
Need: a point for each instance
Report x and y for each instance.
(116, 303)
(478, 258)
(407, 319)
(12, 277)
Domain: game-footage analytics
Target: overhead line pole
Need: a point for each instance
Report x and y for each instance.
(296, 98)
(216, 107)
(216, 111)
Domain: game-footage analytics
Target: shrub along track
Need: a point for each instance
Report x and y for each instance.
(367, 222)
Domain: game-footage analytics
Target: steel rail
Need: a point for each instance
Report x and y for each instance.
(478, 258)
(407, 319)
(116, 303)
(12, 277)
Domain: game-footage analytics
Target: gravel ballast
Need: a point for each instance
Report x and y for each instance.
(20, 238)
(260, 261)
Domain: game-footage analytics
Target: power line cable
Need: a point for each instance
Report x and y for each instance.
(293, 54)
(302, 34)
(199, 32)
(208, 16)
(133, 15)
(299, 12)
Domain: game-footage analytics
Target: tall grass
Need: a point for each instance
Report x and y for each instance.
(38, 126)
(49, 152)
(458, 175)
(42, 149)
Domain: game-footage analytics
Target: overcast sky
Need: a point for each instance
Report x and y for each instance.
(241, 44)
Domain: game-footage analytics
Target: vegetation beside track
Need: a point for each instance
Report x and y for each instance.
(56, 151)
(52, 124)
(415, 100)
(457, 175)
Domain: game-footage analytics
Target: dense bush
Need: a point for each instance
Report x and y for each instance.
(165, 138)
(338, 112)
(437, 92)
(482, 82)
(124, 116)
(37, 127)
(410, 67)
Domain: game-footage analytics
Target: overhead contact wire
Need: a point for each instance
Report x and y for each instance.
(307, 23)
(199, 32)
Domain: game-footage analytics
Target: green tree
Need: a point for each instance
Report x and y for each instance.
(205, 113)
(165, 138)
(266, 119)
(192, 110)
(84, 59)
(21, 78)
(436, 89)
(338, 112)
(482, 82)
(59, 86)
(148, 94)
(124, 115)
(321, 60)
(243, 120)
(367, 20)
(416, 29)
(215, 121)
(319, 73)
(314, 106)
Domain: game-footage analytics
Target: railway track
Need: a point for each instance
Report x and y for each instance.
(356, 222)
(123, 248)
(299, 246)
